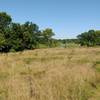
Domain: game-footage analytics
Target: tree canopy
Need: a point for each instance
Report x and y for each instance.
(90, 38)
(17, 37)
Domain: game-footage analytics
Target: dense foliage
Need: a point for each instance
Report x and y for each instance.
(90, 38)
(18, 37)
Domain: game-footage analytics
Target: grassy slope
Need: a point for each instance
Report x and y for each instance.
(51, 74)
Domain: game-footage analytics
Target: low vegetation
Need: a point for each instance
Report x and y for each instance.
(51, 74)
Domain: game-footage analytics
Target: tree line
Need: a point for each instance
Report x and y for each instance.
(90, 38)
(19, 37)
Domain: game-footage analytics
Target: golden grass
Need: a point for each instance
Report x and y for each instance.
(49, 74)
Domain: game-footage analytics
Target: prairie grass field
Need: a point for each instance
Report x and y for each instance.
(51, 74)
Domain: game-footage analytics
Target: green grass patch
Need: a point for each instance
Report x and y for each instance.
(97, 62)
(4, 75)
(97, 66)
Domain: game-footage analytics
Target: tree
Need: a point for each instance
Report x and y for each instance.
(47, 34)
(5, 20)
(97, 34)
(90, 38)
(2, 41)
(14, 37)
(30, 35)
(18, 37)
(21, 37)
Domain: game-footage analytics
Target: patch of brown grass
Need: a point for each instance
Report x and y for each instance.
(49, 74)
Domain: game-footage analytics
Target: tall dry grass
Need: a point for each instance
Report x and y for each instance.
(49, 74)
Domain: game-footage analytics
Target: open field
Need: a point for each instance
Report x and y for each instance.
(51, 74)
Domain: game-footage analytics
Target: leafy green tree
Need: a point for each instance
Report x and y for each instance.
(5, 20)
(2, 41)
(17, 37)
(47, 34)
(21, 37)
(90, 38)
(30, 35)
(14, 37)
(97, 34)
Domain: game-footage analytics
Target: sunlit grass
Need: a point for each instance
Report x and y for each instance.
(50, 74)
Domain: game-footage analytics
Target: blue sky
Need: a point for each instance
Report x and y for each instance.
(67, 18)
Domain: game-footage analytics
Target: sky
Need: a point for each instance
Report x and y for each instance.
(67, 18)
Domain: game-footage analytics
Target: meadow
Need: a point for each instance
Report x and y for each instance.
(51, 74)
